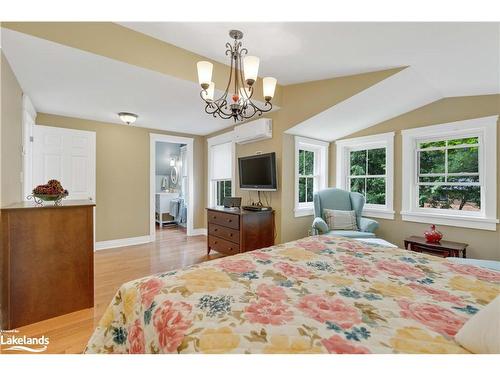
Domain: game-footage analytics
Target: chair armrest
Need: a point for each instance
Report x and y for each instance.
(367, 225)
(320, 225)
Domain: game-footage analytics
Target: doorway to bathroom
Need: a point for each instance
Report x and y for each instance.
(171, 185)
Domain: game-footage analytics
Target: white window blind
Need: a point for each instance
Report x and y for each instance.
(222, 161)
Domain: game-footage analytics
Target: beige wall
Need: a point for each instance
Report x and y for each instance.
(483, 244)
(303, 101)
(122, 178)
(11, 135)
(300, 102)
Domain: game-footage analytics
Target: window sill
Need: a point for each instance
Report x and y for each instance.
(379, 214)
(452, 220)
(299, 212)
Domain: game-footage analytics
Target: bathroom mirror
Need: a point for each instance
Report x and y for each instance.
(173, 175)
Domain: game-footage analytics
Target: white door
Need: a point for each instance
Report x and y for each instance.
(66, 155)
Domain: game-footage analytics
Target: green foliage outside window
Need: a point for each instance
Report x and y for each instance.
(306, 176)
(367, 174)
(449, 174)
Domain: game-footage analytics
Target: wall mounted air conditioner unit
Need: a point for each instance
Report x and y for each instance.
(254, 131)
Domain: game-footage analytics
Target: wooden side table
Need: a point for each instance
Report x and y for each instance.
(443, 248)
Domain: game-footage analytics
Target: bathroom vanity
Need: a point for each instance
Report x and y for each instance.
(162, 207)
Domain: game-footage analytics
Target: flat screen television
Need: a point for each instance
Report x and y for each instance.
(258, 172)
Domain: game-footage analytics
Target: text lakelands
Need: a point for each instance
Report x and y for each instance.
(23, 340)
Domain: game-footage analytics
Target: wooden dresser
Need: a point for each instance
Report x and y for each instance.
(236, 231)
(47, 261)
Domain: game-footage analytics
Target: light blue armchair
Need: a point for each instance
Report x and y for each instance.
(338, 199)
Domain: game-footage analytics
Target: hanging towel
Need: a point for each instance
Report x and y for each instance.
(174, 208)
(183, 212)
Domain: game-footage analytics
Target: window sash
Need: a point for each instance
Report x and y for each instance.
(367, 176)
(446, 174)
(318, 177)
(314, 176)
(218, 198)
(315, 188)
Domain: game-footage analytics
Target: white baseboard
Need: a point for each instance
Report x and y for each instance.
(101, 245)
(199, 232)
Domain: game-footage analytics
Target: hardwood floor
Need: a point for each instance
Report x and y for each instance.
(171, 250)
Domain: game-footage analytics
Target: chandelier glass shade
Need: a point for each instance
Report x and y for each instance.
(236, 101)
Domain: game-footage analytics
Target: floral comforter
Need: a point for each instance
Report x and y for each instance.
(320, 294)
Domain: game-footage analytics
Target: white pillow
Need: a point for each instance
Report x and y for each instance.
(481, 334)
(340, 220)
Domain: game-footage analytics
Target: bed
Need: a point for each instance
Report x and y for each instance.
(320, 294)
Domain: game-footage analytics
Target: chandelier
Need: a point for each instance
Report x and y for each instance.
(240, 86)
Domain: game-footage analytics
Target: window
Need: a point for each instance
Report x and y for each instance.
(449, 174)
(222, 190)
(311, 172)
(365, 165)
(367, 174)
(308, 176)
(220, 168)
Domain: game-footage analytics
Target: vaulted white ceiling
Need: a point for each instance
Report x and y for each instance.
(454, 58)
(398, 94)
(71, 82)
(444, 59)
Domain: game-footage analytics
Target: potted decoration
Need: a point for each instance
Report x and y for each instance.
(52, 191)
(433, 235)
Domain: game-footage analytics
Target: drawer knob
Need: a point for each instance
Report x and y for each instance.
(229, 220)
(215, 242)
(214, 217)
(230, 235)
(215, 230)
(230, 248)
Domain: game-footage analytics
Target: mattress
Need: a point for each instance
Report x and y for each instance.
(320, 294)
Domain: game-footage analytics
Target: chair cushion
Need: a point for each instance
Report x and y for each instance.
(351, 234)
(340, 220)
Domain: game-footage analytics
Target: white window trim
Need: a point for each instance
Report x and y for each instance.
(320, 148)
(385, 140)
(486, 129)
(213, 141)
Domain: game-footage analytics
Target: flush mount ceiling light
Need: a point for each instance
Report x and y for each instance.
(127, 117)
(242, 77)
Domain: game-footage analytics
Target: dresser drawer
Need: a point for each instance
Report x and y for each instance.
(223, 246)
(229, 234)
(224, 219)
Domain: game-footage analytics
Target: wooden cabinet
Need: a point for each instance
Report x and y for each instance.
(236, 231)
(47, 261)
